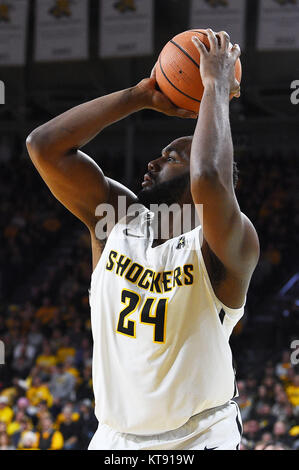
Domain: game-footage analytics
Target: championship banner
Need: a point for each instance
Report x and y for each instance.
(126, 28)
(61, 30)
(220, 15)
(13, 27)
(278, 25)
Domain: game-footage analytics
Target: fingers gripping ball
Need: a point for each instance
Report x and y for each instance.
(177, 70)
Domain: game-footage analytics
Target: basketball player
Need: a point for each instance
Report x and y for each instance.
(162, 310)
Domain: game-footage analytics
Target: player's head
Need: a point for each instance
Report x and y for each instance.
(168, 177)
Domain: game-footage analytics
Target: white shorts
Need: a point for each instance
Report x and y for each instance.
(216, 428)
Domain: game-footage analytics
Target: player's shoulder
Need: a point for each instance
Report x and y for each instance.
(117, 191)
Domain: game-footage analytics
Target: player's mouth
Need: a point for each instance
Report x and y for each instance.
(147, 180)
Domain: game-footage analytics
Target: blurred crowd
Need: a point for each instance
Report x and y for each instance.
(46, 397)
(269, 405)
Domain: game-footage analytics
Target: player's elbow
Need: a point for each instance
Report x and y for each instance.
(35, 144)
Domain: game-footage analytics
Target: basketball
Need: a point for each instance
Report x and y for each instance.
(177, 70)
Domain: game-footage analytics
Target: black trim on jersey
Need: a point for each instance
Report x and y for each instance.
(221, 315)
(236, 391)
(239, 424)
(240, 428)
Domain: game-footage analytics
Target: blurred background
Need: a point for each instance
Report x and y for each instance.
(56, 54)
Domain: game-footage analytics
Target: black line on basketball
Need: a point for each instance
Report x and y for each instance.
(185, 52)
(185, 94)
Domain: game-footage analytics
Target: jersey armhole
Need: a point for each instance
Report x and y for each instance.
(233, 312)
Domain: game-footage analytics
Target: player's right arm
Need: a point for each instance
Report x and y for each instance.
(73, 177)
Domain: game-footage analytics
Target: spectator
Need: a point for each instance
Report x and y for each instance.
(279, 407)
(28, 441)
(69, 428)
(46, 358)
(264, 417)
(48, 438)
(292, 391)
(46, 312)
(38, 392)
(85, 389)
(35, 337)
(24, 349)
(62, 384)
(283, 366)
(88, 423)
(5, 442)
(281, 435)
(251, 433)
(6, 412)
(66, 350)
(244, 401)
(15, 424)
(22, 405)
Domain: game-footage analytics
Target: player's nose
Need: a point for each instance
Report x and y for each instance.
(154, 165)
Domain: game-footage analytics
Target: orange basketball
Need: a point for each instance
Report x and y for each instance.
(177, 70)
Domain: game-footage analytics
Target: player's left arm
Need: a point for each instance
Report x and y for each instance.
(228, 232)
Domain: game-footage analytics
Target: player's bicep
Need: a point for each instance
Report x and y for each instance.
(75, 180)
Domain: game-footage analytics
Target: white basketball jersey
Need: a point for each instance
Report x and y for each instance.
(161, 352)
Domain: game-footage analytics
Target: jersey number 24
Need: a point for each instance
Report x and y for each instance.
(153, 312)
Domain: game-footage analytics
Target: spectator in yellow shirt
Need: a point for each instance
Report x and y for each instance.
(46, 312)
(66, 350)
(46, 359)
(39, 392)
(292, 391)
(28, 441)
(6, 413)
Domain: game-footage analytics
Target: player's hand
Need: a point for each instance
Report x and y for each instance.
(218, 64)
(157, 101)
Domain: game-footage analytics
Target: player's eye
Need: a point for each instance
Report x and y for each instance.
(170, 159)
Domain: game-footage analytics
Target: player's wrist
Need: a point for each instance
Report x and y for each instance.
(214, 85)
(141, 96)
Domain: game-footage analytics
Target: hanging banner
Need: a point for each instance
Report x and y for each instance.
(220, 15)
(126, 28)
(13, 27)
(61, 30)
(278, 25)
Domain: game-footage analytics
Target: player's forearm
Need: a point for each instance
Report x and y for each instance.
(212, 147)
(77, 126)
